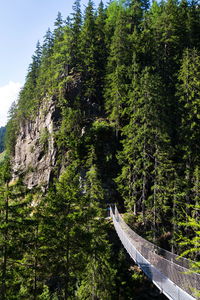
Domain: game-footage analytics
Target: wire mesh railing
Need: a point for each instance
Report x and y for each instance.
(158, 264)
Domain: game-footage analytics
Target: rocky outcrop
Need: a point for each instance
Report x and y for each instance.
(35, 151)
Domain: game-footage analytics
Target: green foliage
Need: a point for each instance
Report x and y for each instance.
(44, 138)
(188, 90)
(28, 102)
(125, 82)
(11, 130)
(15, 229)
(2, 136)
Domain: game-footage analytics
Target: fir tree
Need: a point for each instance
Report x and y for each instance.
(89, 69)
(76, 24)
(117, 80)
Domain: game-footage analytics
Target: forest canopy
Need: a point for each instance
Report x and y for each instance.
(125, 79)
(2, 137)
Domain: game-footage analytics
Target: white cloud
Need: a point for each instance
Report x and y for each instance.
(8, 94)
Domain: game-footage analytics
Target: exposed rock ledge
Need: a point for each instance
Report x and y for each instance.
(35, 152)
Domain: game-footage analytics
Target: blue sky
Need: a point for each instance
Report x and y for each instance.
(22, 23)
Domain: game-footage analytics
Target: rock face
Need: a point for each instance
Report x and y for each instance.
(35, 152)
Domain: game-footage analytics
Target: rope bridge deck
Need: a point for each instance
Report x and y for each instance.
(168, 271)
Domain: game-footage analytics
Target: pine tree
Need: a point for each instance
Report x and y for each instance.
(145, 155)
(62, 234)
(76, 24)
(44, 80)
(188, 93)
(101, 53)
(89, 70)
(15, 225)
(60, 58)
(120, 86)
(93, 284)
(47, 44)
(28, 101)
(117, 80)
(193, 24)
(58, 31)
(2, 138)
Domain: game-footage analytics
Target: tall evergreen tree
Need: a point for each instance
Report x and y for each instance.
(117, 80)
(44, 80)
(2, 138)
(76, 24)
(145, 155)
(28, 101)
(188, 93)
(89, 65)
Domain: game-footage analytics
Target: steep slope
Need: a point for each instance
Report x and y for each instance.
(35, 153)
(109, 113)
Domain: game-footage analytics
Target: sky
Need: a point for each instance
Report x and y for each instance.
(22, 24)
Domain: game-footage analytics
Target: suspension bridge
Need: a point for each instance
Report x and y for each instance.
(169, 272)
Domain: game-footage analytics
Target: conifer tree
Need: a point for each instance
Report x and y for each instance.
(44, 80)
(145, 146)
(76, 24)
(58, 24)
(90, 68)
(2, 138)
(60, 58)
(47, 44)
(98, 267)
(117, 80)
(15, 225)
(193, 24)
(101, 52)
(28, 102)
(62, 233)
(188, 93)
(120, 86)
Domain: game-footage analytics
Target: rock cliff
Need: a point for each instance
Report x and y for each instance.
(35, 152)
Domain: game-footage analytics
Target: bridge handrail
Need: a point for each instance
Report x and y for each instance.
(179, 275)
(182, 261)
